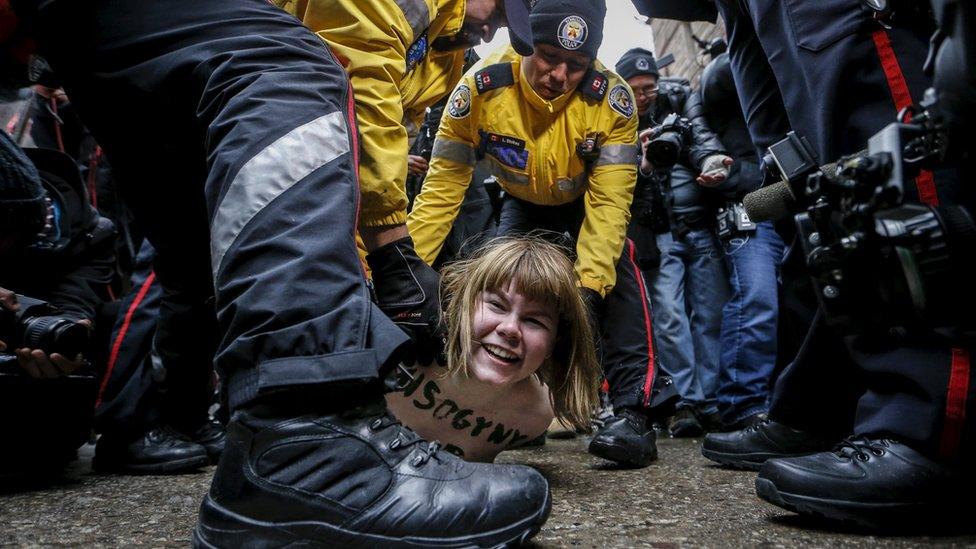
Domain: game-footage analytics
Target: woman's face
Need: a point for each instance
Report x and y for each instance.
(513, 336)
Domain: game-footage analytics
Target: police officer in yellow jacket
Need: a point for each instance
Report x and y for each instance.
(558, 130)
(402, 56)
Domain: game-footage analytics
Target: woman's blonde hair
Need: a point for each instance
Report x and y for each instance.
(540, 271)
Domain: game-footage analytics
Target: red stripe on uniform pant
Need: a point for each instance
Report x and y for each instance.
(117, 344)
(902, 96)
(956, 396)
(648, 327)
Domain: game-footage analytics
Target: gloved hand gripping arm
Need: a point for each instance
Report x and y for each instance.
(407, 291)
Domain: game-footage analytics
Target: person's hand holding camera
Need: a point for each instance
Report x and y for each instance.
(644, 137)
(715, 170)
(37, 363)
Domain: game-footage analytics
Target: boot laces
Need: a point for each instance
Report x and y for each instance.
(405, 438)
(860, 448)
(755, 426)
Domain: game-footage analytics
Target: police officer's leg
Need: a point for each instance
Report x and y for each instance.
(269, 122)
(629, 361)
(135, 437)
(629, 364)
(185, 344)
(128, 399)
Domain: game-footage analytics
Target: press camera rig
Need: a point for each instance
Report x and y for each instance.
(878, 257)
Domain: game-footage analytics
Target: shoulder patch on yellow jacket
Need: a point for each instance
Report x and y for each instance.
(459, 105)
(493, 77)
(621, 100)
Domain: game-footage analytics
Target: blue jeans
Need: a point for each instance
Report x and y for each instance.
(688, 291)
(749, 323)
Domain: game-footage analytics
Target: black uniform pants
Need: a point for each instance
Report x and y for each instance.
(828, 71)
(231, 129)
(153, 376)
(625, 331)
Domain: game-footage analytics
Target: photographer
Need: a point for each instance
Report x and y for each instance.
(674, 217)
(54, 248)
(753, 252)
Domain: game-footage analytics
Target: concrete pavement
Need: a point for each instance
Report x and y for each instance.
(680, 501)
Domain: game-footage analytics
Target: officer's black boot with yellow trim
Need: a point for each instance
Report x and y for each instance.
(358, 478)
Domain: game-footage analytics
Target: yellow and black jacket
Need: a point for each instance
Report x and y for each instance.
(385, 47)
(531, 145)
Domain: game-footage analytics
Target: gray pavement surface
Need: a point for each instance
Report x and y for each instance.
(682, 500)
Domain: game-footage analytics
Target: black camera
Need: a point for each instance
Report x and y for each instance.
(39, 325)
(667, 141)
(878, 260)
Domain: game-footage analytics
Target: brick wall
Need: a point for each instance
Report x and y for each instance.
(674, 37)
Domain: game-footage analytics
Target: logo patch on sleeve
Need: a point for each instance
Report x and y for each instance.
(417, 51)
(510, 151)
(572, 32)
(621, 101)
(459, 105)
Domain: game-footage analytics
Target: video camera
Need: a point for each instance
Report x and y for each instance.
(879, 260)
(876, 259)
(668, 141)
(39, 325)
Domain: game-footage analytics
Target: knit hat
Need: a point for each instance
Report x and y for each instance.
(573, 25)
(22, 198)
(635, 62)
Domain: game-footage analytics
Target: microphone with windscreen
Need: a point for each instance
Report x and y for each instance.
(792, 160)
(770, 203)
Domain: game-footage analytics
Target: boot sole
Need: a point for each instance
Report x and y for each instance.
(219, 527)
(746, 462)
(619, 454)
(867, 515)
(167, 467)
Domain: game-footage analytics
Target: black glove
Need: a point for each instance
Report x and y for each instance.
(594, 306)
(407, 291)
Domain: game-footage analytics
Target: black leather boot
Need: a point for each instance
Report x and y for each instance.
(685, 424)
(752, 446)
(212, 435)
(159, 450)
(626, 438)
(870, 482)
(360, 479)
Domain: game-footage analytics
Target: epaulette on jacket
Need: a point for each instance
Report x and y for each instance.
(594, 85)
(493, 77)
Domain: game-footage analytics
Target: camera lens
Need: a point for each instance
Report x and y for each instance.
(663, 151)
(54, 334)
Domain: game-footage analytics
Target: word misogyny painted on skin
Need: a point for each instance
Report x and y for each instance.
(411, 382)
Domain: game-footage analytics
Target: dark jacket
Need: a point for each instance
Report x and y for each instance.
(72, 266)
(720, 103)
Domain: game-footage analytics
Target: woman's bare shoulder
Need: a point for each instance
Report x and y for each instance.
(534, 407)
